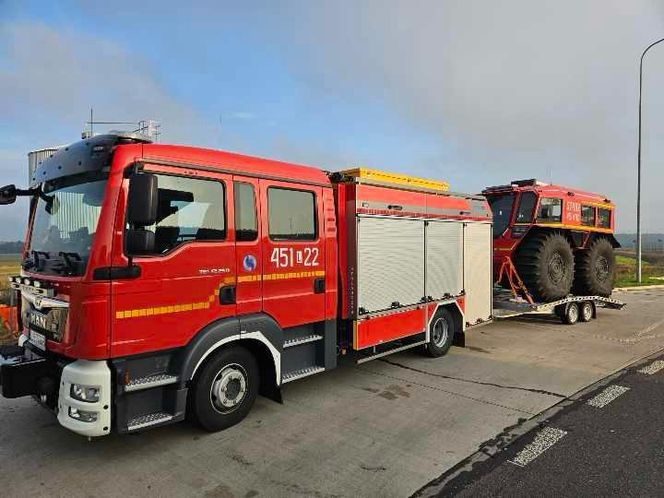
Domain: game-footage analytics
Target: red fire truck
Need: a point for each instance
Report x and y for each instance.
(165, 281)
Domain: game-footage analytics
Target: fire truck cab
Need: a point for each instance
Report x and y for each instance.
(161, 281)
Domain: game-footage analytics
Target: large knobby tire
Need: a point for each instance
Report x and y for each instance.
(225, 390)
(441, 333)
(595, 269)
(546, 264)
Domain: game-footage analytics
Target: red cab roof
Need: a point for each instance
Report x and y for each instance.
(228, 162)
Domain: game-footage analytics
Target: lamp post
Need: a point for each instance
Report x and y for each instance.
(638, 181)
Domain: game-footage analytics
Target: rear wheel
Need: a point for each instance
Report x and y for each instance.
(226, 389)
(545, 262)
(595, 269)
(441, 333)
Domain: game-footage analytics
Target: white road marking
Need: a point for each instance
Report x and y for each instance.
(546, 438)
(607, 395)
(653, 368)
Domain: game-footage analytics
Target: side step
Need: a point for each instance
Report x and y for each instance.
(390, 351)
(150, 382)
(302, 340)
(299, 374)
(150, 420)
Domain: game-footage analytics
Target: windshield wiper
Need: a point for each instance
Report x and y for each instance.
(71, 259)
(34, 262)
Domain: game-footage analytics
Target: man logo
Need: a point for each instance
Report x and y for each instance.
(249, 263)
(38, 302)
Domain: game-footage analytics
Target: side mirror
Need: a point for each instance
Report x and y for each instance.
(142, 200)
(8, 194)
(139, 241)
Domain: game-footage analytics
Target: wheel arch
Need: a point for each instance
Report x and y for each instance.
(539, 230)
(593, 236)
(258, 333)
(453, 307)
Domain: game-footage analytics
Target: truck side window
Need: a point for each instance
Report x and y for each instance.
(246, 226)
(189, 209)
(604, 216)
(587, 215)
(550, 209)
(291, 214)
(526, 207)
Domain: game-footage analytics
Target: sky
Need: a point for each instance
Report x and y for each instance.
(473, 92)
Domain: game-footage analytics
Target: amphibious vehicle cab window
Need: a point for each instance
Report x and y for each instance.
(604, 217)
(246, 226)
(188, 209)
(526, 207)
(550, 210)
(501, 206)
(291, 214)
(587, 215)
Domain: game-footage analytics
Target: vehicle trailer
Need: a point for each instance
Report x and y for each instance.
(162, 281)
(570, 310)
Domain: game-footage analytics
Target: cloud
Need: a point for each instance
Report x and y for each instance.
(55, 74)
(517, 88)
(48, 80)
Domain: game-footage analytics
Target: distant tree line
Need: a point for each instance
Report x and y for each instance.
(11, 247)
(652, 242)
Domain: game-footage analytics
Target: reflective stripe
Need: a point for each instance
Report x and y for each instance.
(203, 305)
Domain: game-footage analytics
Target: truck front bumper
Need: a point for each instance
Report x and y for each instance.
(25, 372)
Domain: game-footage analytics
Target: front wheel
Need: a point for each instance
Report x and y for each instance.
(441, 333)
(226, 389)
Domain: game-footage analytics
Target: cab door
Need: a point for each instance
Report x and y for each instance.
(249, 256)
(293, 252)
(187, 281)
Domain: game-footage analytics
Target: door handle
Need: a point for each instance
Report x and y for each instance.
(227, 294)
(319, 285)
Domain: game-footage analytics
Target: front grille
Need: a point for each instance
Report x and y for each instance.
(48, 321)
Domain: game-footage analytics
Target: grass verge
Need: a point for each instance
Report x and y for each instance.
(652, 269)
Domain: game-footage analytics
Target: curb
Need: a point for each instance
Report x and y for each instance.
(638, 287)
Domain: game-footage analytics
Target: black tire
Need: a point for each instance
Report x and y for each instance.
(572, 313)
(586, 311)
(545, 262)
(595, 269)
(441, 333)
(235, 370)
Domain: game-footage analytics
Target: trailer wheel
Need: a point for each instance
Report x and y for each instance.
(587, 311)
(571, 314)
(226, 389)
(441, 333)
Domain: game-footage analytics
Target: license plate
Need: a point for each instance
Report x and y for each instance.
(38, 340)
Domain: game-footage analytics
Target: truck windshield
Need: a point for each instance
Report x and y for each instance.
(501, 205)
(65, 221)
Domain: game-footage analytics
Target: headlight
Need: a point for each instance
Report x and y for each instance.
(82, 415)
(89, 394)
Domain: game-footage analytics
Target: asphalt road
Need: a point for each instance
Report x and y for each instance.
(609, 442)
(385, 428)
